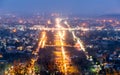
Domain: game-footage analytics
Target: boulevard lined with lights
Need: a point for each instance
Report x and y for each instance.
(64, 60)
(80, 45)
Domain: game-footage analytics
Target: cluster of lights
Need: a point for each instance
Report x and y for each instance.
(64, 57)
(30, 65)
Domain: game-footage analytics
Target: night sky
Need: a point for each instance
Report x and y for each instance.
(85, 7)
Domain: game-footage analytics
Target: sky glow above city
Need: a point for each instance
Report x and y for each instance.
(83, 7)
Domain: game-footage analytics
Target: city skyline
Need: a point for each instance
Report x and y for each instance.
(59, 37)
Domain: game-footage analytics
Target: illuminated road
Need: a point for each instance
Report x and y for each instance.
(41, 44)
(60, 29)
(59, 36)
(62, 57)
(79, 43)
